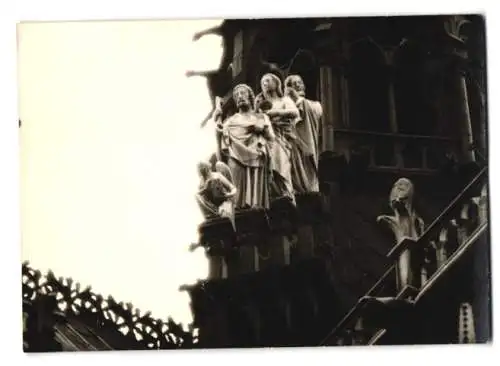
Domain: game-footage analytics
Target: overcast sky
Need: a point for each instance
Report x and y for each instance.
(110, 140)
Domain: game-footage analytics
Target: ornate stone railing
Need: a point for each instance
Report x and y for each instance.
(351, 330)
(125, 324)
(445, 238)
(395, 152)
(442, 244)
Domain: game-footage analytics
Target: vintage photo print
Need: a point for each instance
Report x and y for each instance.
(246, 183)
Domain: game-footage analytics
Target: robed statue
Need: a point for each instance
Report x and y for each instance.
(305, 147)
(283, 114)
(245, 141)
(216, 191)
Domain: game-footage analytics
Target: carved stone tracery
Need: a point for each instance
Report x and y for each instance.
(100, 315)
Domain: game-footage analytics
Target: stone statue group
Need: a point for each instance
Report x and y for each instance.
(267, 150)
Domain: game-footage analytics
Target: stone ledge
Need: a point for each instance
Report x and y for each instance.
(255, 224)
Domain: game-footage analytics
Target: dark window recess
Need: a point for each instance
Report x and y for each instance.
(415, 92)
(368, 88)
(412, 155)
(384, 154)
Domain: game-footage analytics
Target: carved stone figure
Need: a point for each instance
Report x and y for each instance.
(217, 119)
(404, 223)
(305, 148)
(283, 114)
(216, 191)
(246, 136)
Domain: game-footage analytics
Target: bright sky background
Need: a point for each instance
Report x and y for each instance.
(48, 251)
(109, 145)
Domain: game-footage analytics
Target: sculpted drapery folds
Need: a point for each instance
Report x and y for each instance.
(283, 114)
(305, 149)
(245, 138)
(270, 146)
(216, 191)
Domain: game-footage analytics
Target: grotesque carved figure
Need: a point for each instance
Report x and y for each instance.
(401, 196)
(305, 148)
(404, 223)
(283, 114)
(217, 118)
(216, 191)
(246, 136)
(401, 201)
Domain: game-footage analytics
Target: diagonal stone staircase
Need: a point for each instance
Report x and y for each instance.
(436, 257)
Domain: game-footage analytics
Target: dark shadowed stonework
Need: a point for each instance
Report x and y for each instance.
(358, 262)
(60, 315)
(402, 97)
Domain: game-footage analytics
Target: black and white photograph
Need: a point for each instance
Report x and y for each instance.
(254, 182)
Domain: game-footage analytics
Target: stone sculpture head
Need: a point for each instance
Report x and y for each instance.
(204, 169)
(401, 196)
(296, 83)
(243, 96)
(270, 83)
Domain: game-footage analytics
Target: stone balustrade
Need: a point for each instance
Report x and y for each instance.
(441, 245)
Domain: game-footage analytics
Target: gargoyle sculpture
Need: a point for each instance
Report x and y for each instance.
(405, 223)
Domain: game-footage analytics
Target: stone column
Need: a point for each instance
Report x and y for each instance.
(483, 138)
(344, 96)
(326, 83)
(391, 102)
(330, 96)
(454, 49)
(464, 119)
(342, 61)
(389, 63)
(476, 47)
(238, 54)
(481, 275)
